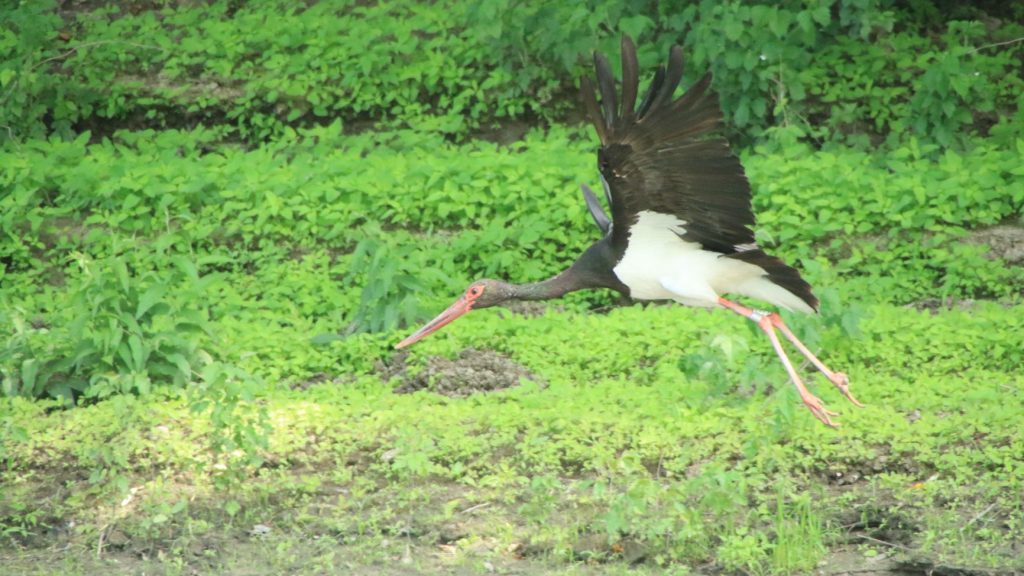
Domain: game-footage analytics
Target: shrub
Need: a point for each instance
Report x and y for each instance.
(29, 90)
(117, 330)
(854, 70)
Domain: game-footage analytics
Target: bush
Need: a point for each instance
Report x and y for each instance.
(30, 91)
(114, 331)
(859, 71)
(481, 210)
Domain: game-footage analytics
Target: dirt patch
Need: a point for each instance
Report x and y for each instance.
(1006, 242)
(318, 378)
(474, 371)
(884, 461)
(506, 132)
(936, 305)
(851, 562)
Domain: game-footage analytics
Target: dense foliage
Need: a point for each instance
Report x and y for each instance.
(860, 71)
(216, 218)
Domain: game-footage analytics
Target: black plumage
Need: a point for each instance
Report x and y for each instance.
(604, 224)
(668, 156)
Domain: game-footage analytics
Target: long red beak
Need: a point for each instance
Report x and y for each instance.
(460, 307)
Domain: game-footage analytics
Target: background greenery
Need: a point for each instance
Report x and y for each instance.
(218, 217)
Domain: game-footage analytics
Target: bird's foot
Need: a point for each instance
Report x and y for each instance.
(838, 379)
(769, 322)
(842, 382)
(817, 407)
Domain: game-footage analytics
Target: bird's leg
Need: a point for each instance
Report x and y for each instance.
(764, 322)
(839, 379)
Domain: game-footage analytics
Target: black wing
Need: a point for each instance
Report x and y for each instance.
(667, 156)
(604, 224)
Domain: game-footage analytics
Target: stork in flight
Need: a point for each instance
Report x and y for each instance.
(681, 226)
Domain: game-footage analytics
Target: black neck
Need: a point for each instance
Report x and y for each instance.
(547, 289)
(593, 269)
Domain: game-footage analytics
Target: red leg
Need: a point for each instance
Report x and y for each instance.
(768, 322)
(840, 380)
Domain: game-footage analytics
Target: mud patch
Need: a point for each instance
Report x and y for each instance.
(474, 371)
(318, 378)
(851, 562)
(883, 462)
(936, 305)
(1006, 242)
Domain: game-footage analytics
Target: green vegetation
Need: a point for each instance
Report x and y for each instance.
(216, 218)
(857, 70)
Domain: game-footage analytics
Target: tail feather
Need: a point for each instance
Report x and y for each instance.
(779, 273)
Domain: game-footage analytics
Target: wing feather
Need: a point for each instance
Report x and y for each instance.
(604, 224)
(593, 110)
(673, 74)
(659, 78)
(630, 80)
(669, 157)
(606, 83)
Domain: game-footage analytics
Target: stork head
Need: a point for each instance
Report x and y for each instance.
(479, 294)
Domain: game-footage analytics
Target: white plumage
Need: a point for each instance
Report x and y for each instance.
(659, 265)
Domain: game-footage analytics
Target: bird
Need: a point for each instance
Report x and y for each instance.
(681, 226)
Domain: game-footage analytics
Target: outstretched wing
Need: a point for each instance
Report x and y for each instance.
(668, 157)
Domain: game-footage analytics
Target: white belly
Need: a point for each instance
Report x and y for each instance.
(659, 265)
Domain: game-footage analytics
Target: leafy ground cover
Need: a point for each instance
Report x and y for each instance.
(862, 71)
(208, 252)
(683, 449)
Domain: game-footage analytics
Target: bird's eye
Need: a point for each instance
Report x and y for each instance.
(475, 291)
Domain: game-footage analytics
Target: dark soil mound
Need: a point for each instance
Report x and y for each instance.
(472, 372)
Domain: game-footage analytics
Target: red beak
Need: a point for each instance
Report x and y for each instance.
(460, 307)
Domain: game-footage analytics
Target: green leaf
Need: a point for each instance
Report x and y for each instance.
(29, 372)
(822, 14)
(733, 28)
(187, 267)
(326, 338)
(635, 26)
(742, 115)
(121, 271)
(182, 364)
(139, 352)
(150, 298)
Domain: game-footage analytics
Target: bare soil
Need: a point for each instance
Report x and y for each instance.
(473, 372)
(295, 554)
(1004, 241)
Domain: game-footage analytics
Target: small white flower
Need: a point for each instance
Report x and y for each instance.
(260, 531)
(763, 57)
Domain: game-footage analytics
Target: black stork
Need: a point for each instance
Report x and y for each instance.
(681, 226)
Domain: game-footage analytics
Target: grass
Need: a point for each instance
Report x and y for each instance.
(606, 458)
(650, 435)
(647, 434)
